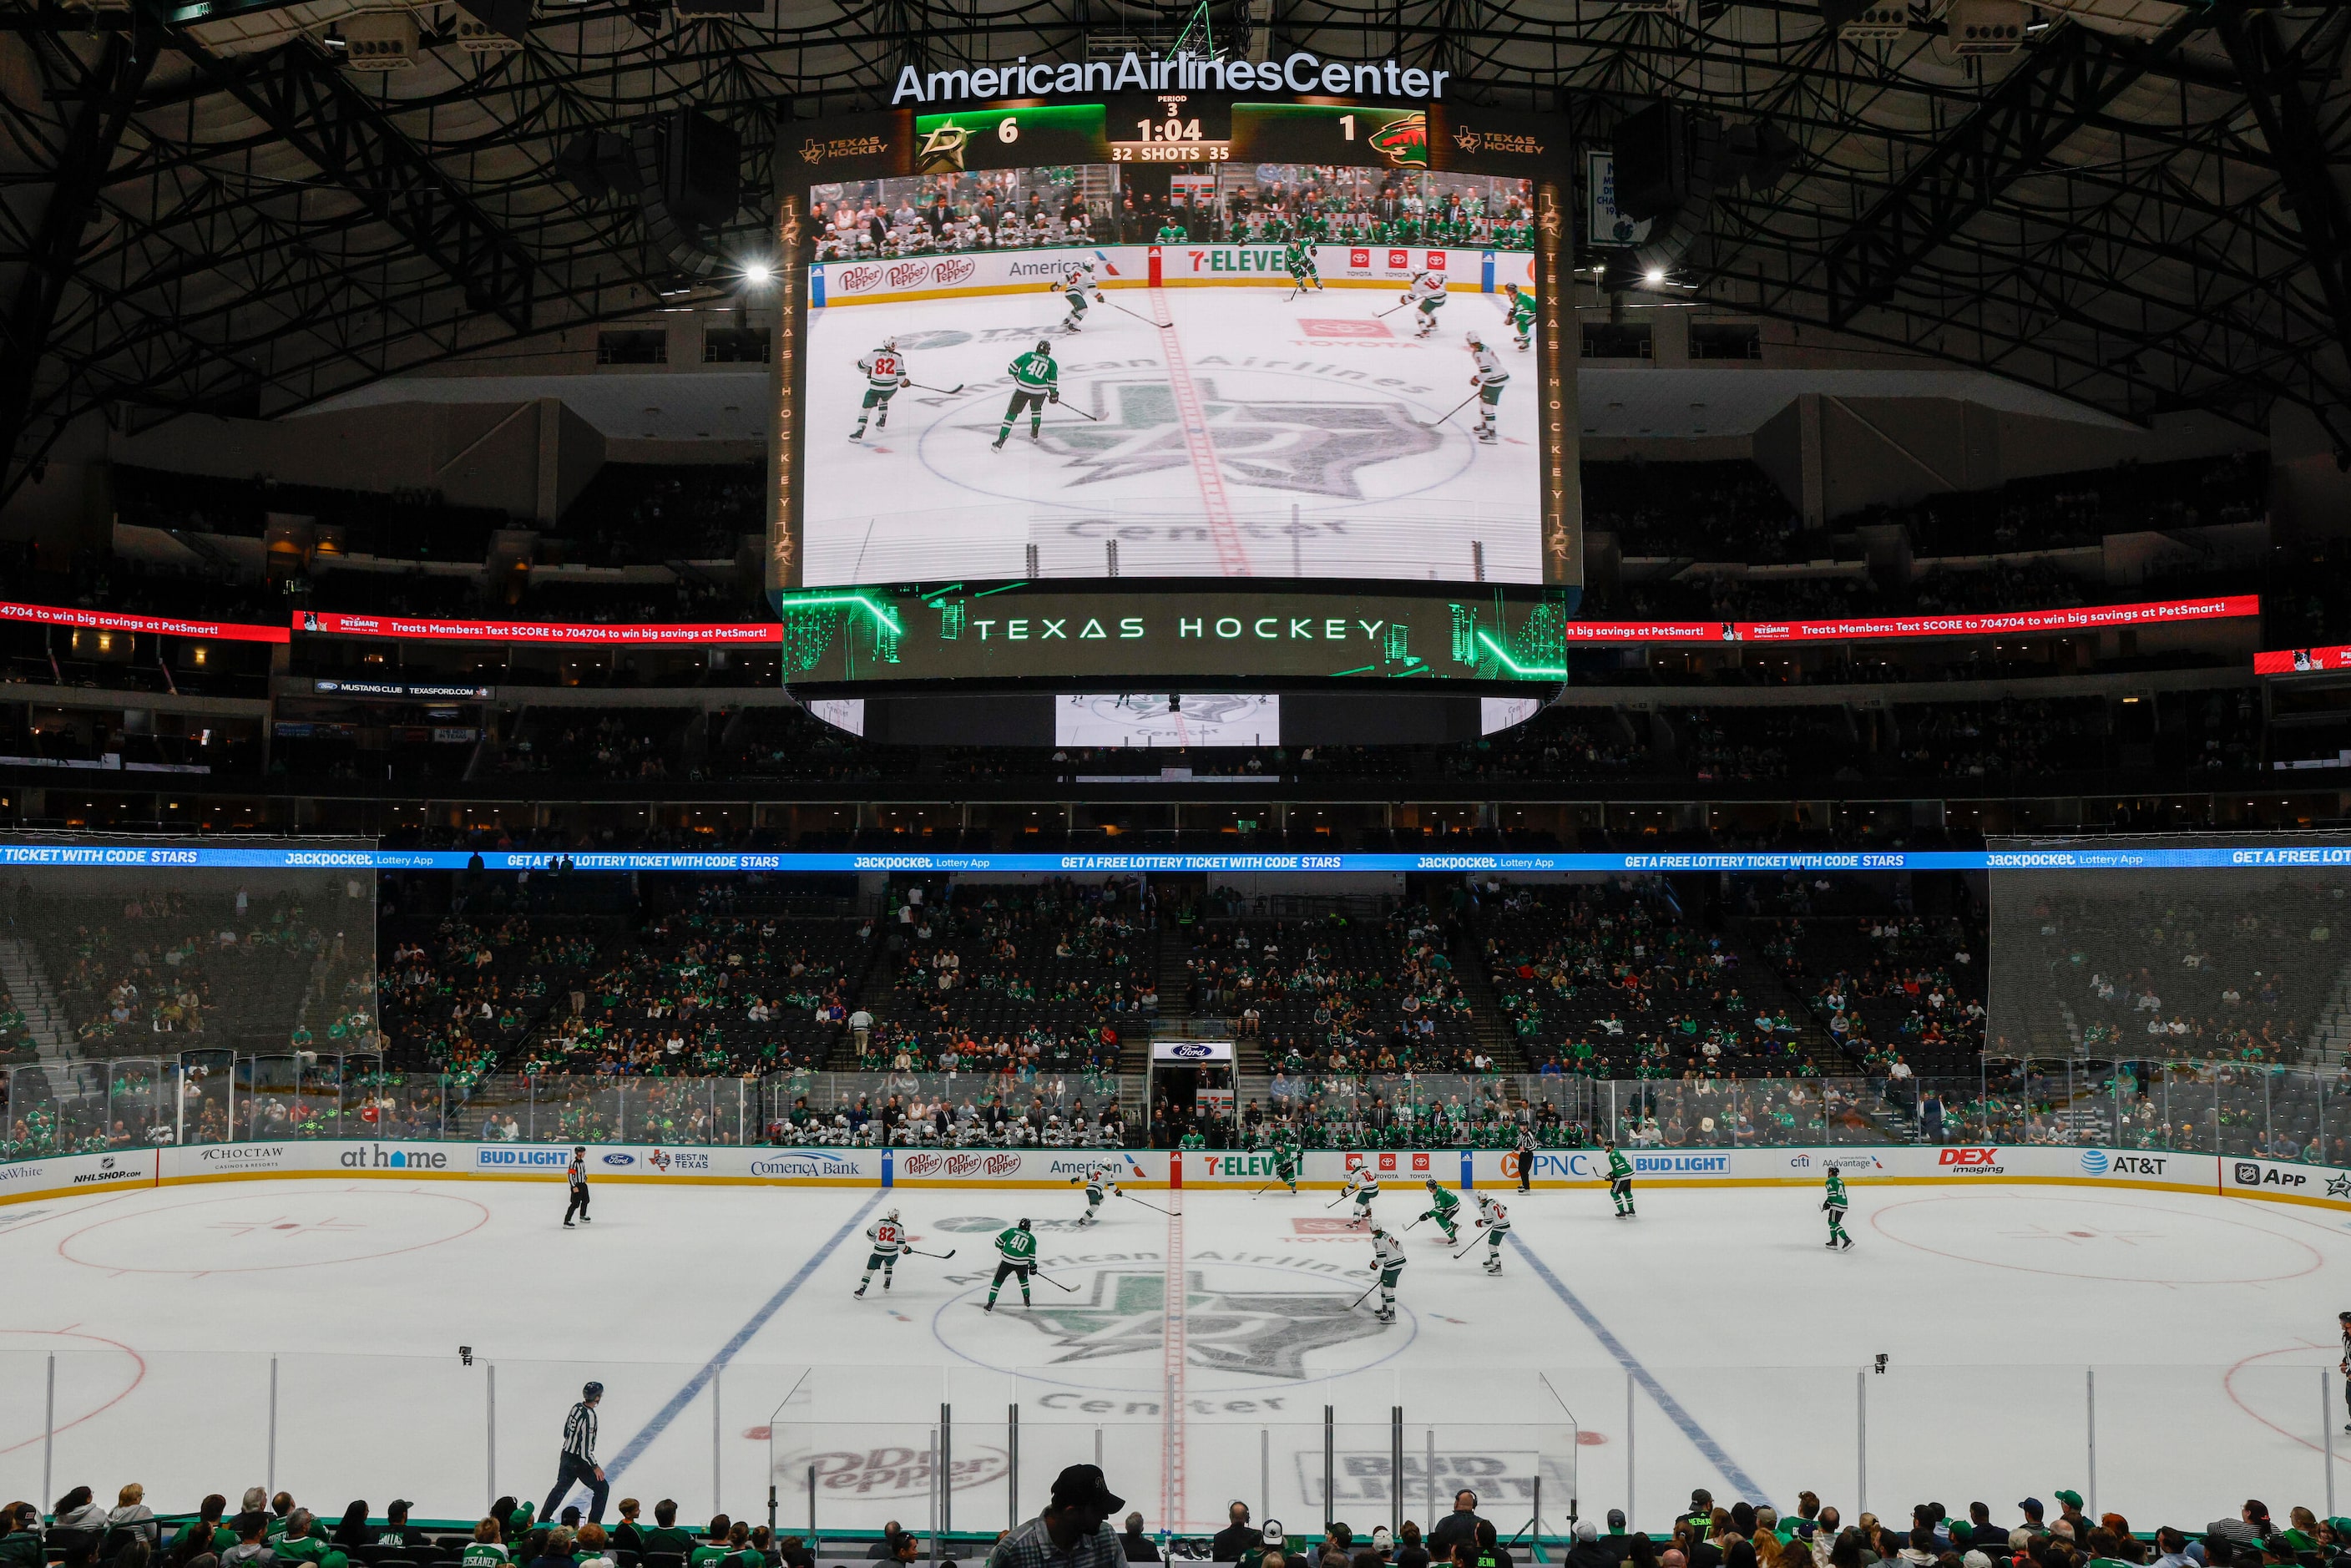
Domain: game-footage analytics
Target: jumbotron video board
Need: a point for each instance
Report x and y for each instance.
(1164, 346)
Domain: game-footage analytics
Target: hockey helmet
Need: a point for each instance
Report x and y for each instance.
(593, 1390)
(1044, 346)
(1024, 1225)
(890, 1214)
(1471, 338)
(1428, 1182)
(890, 342)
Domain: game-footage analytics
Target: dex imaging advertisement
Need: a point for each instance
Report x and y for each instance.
(1170, 335)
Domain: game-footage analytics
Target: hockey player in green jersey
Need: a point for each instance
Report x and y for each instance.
(1299, 258)
(1285, 1165)
(1443, 1208)
(1522, 314)
(1835, 1203)
(885, 373)
(1620, 1180)
(1036, 381)
(1016, 1253)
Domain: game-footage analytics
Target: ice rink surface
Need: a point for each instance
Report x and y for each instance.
(2197, 1332)
(1250, 438)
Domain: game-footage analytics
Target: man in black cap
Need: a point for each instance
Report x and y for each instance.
(1072, 1532)
(579, 1457)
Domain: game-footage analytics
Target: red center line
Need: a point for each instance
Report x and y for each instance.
(1191, 414)
(1172, 1340)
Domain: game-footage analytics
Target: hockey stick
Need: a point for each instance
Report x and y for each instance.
(1450, 413)
(1383, 314)
(948, 1253)
(1337, 1200)
(1359, 1301)
(1152, 1207)
(1056, 1283)
(925, 386)
(1081, 414)
(1415, 1222)
(1138, 315)
(1471, 1248)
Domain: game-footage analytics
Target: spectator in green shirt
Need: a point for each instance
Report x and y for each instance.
(711, 1551)
(665, 1535)
(487, 1550)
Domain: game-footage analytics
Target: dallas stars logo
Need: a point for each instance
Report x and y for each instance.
(1317, 448)
(1268, 1332)
(2338, 1185)
(942, 147)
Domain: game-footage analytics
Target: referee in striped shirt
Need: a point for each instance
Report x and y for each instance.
(578, 1463)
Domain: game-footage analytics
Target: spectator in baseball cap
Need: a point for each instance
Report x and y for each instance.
(1073, 1532)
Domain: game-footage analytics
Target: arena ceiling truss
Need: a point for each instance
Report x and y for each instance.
(201, 209)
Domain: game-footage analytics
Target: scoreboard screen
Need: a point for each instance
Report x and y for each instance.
(1177, 330)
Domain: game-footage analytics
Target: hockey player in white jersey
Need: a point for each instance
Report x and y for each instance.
(885, 373)
(1489, 379)
(1076, 284)
(888, 1237)
(1387, 1262)
(1099, 1183)
(1426, 294)
(1495, 1220)
(1363, 1184)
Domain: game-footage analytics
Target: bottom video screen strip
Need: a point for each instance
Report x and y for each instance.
(1474, 633)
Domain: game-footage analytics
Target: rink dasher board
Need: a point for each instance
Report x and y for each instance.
(965, 275)
(1400, 1172)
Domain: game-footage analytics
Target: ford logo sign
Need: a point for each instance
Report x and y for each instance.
(620, 1159)
(1194, 1052)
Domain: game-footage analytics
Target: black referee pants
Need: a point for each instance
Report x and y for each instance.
(577, 1471)
(579, 1203)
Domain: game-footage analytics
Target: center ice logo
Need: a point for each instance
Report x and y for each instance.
(1314, 448)
(1228, 1328)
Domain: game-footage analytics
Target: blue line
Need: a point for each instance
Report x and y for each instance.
(687, 1396)
(1698, 1435)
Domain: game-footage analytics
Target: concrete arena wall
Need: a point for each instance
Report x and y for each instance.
(65, 1175)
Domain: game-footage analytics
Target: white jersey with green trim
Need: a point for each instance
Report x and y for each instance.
(1491, 1214)
(1388, 1252)
(889, 1236)
(885, 370)
(1424, 286)
(1363, 1182)
(1490, 372)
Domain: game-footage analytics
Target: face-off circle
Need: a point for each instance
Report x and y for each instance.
(245, 1232)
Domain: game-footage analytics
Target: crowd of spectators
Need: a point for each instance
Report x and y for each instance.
(1015, 979)
(1610, 980)
(1341, 994)
(1010, 209)
(2237, 973)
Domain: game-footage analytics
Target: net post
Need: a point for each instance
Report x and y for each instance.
(716, 1432)
(491, 1469)
(49, 1430)
(271, 1470)
(946, 1462)
(1630, 1449)
(1012, 1469)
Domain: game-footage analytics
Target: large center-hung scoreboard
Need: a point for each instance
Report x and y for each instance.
(1098, 374)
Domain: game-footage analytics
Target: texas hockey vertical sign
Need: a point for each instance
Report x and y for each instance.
(1536, 149)
(789, 370)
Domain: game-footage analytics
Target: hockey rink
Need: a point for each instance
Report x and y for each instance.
(1252, 436)
(2166, 1355)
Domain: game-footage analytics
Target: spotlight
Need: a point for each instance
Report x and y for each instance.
(1656, 276)
(757, 272)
